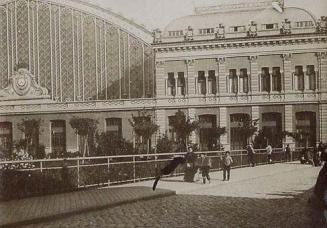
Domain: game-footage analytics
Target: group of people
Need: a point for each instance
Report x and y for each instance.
(313, 157)
(195, 164)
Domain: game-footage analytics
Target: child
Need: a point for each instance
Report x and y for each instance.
(205, 164)
(227, 162)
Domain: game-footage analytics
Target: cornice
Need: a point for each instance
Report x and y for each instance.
(227, 44)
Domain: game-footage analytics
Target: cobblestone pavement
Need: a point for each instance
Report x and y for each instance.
(231, 204)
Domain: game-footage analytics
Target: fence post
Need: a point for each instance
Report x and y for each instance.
(134, 170)
(41, 166)
(78, 180)
(108, 171)
(241, 159)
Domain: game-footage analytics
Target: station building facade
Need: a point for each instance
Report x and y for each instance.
(247, 60)
(222, 65)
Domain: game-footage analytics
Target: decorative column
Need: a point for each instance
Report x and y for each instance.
(323, 122)
(161, 79)
(288, 76)
(223, 123)
(192, 116)
(190, 77)
(222, 84)
(288, 125)
(254, 72)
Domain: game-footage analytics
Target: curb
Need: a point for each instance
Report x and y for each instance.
(85, 210)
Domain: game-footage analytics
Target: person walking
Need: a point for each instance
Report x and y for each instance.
(205, 165)
(250, 154)
(190, 168)
(288, 153)
(227, 162)
(269, 153)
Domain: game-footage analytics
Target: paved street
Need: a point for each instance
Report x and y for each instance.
(265, 196)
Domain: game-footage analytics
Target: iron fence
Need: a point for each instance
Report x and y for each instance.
(112, 170)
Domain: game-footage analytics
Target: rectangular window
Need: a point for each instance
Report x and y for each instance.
(114, 126)
(269, 26)
(206, 31)
(244, 81)
(235, 29)
(311, 75)
(171, 84)
(265, 79)
(304, 24)
(299, 78)
(175, 33)
(201, 83)
(233, 81)
(276, 79)
(212, 82)
(5, 137)
(58, 136)
(181, 84)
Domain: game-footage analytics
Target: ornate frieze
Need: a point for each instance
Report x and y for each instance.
(253, 58)
(220, 32)
(23, 85)
(252, 29)
(188, 34)
(286, 27)
(221, 60)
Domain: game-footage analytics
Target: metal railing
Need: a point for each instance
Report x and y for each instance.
(112, 170)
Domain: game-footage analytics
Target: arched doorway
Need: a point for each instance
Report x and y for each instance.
(207, 139)
(306, 125)
(238, 139)
(272, 129)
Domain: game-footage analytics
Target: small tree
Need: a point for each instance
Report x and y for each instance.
(217, 132)
(144, 128)
(165, 145)
(31, 130)
(85, 128)
(183, 127)
(110, 144)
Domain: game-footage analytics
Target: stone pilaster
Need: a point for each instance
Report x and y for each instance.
(322, 60)
(288, 122)
(254, 74)
(160, 79)
(222, 84)
(288, 72)
(223, 123)
(323, 123)
(191, 88)
(192, 116)
(160, 117)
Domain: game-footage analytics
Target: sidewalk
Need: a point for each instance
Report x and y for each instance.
(38, 209)
(280, 176)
